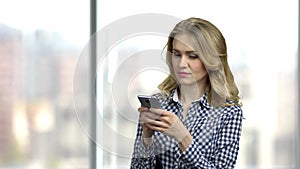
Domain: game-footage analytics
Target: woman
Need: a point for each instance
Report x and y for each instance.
(200, 122)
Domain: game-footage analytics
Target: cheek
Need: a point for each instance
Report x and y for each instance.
(199, 67)
(175, 62)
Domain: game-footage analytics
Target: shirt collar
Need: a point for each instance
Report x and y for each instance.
(175, 95)
(202, 100)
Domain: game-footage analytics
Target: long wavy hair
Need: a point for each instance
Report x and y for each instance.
(211, 47)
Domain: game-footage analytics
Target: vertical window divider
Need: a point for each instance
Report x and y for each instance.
(298, 98)
(92, 83)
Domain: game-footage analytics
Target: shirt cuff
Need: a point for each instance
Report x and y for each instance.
(145, 152)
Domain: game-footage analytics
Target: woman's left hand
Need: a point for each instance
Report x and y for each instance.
(169, 124)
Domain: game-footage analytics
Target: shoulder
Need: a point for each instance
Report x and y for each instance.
(232, 112)
(229, 111)
(233, 109)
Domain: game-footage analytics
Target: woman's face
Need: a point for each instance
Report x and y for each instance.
(188, 68)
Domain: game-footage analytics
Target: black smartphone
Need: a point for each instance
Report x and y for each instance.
(148, 101)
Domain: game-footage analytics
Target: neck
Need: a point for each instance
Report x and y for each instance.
(188, 94)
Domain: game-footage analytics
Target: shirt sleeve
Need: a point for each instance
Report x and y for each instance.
(142, 158)
(227, 145)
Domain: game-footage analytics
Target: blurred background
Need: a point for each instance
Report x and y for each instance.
(41, 41)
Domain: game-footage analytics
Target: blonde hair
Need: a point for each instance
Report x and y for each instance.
(211, 48)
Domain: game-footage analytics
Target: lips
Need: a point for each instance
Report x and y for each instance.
(183, 74)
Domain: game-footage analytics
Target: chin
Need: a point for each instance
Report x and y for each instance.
(187, 83)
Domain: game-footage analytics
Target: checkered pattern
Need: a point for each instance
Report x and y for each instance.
(216, 133)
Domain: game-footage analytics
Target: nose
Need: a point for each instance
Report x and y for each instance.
(183, 62)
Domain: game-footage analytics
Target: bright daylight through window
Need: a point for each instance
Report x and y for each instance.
(45, 88)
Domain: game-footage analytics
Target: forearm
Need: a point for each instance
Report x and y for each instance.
(143, 156)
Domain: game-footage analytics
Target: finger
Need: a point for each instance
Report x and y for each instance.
(142, 109)
(156, 127)
(151, 115)
(145, 117)
(166, 113)
(165, 119)
(148, 116)
(156, 111)
(160, 124)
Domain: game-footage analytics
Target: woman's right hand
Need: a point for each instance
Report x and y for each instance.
(145, 118)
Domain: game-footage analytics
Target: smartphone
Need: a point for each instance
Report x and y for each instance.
(148, 101)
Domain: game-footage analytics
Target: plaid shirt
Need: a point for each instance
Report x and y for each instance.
(216, 133)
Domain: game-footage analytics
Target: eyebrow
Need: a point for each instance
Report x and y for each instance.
(190, 51)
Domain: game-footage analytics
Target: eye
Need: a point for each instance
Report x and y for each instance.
(193, 56)
(176, 54)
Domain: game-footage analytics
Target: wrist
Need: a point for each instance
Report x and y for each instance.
(185, 142)
(147, 141)
(181, 135)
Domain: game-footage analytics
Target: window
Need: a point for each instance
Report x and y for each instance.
(39, 45)
(262, 48)
(47, 87)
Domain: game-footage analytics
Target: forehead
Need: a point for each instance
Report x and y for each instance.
(183, 42)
